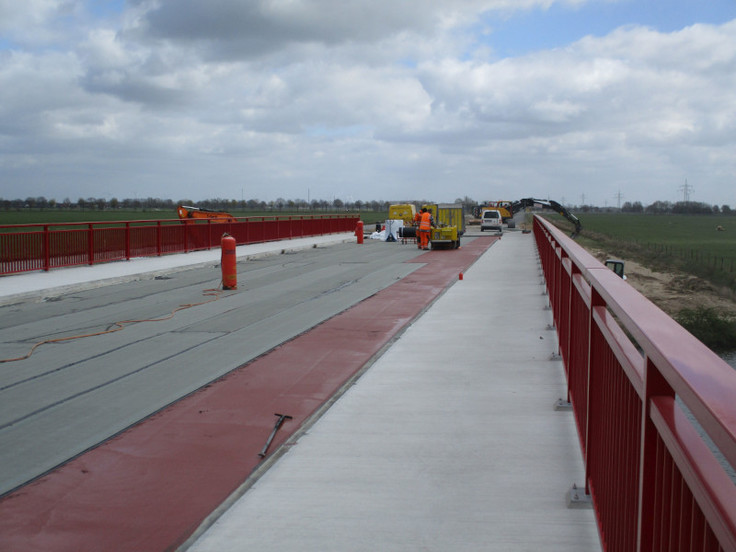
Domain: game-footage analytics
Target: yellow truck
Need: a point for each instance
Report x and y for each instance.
(449, 222)
(402, 211)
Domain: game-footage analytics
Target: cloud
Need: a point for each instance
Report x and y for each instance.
(34, 23)
(374, 100)
(267, 25)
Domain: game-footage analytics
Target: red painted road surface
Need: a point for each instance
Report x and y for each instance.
(149, 488)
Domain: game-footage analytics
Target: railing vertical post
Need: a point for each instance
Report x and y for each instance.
(570, 296)
(573, 322)
(551, 273)
(186, 236)
(127, 241)
(654, 385)
(565, 298)
(90, 244)
(158, 238)
(592, 423)
(46, 248)
(209, 234)
(557, 305)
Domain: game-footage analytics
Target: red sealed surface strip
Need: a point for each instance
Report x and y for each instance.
(149, 488)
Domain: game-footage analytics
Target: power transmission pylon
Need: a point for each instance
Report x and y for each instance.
(686, 189)
(618, 197)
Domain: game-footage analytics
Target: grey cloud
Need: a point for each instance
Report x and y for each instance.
(257, 27)
(135, 88)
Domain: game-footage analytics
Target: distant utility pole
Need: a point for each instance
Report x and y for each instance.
(686, 189)
(618, 197)
(582, 199)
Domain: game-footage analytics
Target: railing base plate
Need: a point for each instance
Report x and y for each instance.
(563, 405)
(577, 499)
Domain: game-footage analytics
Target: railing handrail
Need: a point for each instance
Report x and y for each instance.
(661, 361)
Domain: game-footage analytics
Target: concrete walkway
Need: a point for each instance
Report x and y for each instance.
(448, 442)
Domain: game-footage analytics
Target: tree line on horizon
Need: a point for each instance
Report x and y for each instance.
(220, 204)
(280, 204)
(677, 208)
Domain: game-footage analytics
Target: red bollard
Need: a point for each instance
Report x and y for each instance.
(359, 231)
(228, 262)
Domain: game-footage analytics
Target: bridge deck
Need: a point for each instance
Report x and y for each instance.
(449, 442)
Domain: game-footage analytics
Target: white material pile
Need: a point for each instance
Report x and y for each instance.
(390, 231)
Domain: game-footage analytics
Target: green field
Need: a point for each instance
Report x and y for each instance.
(690, 243)
(58, 216)
(682, 243)
(680, 233)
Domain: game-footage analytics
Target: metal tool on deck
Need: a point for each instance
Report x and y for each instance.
(279, 423)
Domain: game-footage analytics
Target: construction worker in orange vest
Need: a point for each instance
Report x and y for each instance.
(417, 220)
(425, 226)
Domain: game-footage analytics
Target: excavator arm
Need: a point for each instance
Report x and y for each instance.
(517, 206)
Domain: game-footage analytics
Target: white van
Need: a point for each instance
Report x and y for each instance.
(491, 220)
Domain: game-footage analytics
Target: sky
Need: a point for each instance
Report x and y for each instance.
(593, 102)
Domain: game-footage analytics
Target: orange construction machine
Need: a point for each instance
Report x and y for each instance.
(195, 213)
(503, 207)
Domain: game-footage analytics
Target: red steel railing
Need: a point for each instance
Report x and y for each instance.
(42, 247)
(655, 409)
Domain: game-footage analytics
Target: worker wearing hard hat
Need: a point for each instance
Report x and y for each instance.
(425, 225)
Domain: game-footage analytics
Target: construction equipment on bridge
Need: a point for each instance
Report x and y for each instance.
(517, 206)
(403, 211)
(503, 207)
(189, 213)
(449, 220)
(508, 209)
